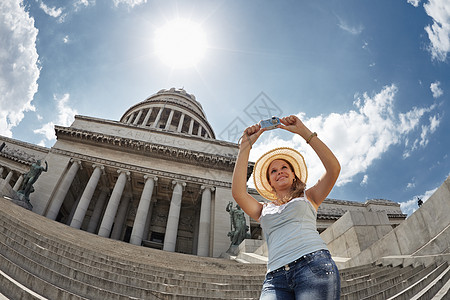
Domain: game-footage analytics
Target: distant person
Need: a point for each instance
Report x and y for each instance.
(419, 202)
(299, 263)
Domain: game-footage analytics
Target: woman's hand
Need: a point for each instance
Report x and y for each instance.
(251, 135)
(295, 125)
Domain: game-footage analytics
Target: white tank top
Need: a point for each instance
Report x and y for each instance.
(290, 231)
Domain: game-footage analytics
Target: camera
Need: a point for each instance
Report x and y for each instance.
(271, 123)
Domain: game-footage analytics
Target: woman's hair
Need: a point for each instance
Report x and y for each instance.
(297, 188)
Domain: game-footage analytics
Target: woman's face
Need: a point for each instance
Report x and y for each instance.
(280, 175)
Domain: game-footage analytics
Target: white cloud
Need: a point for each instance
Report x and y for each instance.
(411, 185)
(439, 31)
(19, 69)
(66, 39)
(357, 137)
(355, 30)
(54, 12)
(365, 180)
(436, 90)
(65, 117)
(131, 3)
(414, 3)
(83, 4)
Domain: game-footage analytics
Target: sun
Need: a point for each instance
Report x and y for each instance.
(180, 43)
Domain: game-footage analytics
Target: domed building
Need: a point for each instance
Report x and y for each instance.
(157, 178)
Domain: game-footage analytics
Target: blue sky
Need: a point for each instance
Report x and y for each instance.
(371, 77)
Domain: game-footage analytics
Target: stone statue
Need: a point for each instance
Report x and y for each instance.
(30, 178)
(239, 227)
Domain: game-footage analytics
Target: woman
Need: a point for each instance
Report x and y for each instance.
(299, 264)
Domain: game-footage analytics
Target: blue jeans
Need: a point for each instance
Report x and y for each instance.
(313, 276)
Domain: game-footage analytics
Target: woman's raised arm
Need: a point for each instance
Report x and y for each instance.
(249, 205)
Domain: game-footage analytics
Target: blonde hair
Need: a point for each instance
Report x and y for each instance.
(297, 187)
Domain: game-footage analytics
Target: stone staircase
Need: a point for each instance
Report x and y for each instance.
(405, 283)
(43, 259)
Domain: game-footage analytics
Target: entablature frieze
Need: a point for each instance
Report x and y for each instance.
(203, 159)
(144, 171)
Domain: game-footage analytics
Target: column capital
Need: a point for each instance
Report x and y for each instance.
(148, 176)
(101, 167)
(76, 161)
(127, 173)
(208, 187)
(182, 183)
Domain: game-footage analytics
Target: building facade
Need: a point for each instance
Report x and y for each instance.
(157, 178)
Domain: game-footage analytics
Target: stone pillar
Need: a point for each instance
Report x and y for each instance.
(9, 176)
(86, 197)
(180, 124)
(158, 117)
(169, 120)
(147, 117)
(142, 211)
(191, 126)
(205, 222)
(18, 183)
(121, 217)
(199, 133)
(137, 117)
(113, 204)
(98, 208)
(148, 220)
(61, 193)
(74, 208)
(130, 118)
(170, 239)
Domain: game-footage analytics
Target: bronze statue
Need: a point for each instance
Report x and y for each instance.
(239, 227)
(30, 178)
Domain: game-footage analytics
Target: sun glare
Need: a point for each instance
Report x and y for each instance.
(180, 43)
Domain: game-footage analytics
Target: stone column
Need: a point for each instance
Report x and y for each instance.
(18, 183)
(142, 211)
(1, 172)
(199, 133)
(169, 120)
(170, 239)
(191, 126)
(98, 208)
(130, 118)
(121, 217)
(86, 197)
(180, 124)
(158, 117)
(61, 193)
(9, 176)
(113, 204)
(147, 116)
(205, 222)
(137, 117)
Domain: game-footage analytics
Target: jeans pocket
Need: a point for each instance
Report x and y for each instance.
(322, 268)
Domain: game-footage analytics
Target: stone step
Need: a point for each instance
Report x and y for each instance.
(35, 244)
(64, 246)
(129, 286)
(17, 283)
(372, 289)
(390, 275)
(77, 282)
(376, 273)
(430, 283)
(389, 290)
(359, 272)
(126, 276)
(443, 293)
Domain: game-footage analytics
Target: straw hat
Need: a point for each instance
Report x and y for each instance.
(262, 164)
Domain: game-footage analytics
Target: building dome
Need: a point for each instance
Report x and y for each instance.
(170, 110)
